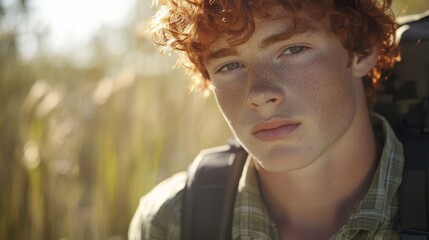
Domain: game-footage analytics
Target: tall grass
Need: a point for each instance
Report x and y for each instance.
(79, 147)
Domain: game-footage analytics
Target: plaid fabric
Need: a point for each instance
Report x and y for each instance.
(158, 216)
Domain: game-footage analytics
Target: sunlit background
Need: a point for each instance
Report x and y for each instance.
(91, 116)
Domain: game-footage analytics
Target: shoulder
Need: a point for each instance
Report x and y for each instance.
(158, 215)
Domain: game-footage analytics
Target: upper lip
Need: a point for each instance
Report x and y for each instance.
(272, 124)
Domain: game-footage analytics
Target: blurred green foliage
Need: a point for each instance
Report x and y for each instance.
(80, 144)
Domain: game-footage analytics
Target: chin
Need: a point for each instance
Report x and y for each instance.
(282, 161)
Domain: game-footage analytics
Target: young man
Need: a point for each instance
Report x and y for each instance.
(288, 76)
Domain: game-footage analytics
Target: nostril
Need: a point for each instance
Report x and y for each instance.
(264, 99)
(260, 102)
(272, 100)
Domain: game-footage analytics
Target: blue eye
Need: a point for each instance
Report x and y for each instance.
(294, 50)
(230, 66)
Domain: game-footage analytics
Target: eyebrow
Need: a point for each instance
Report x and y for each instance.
(223, 52)
(271, 40)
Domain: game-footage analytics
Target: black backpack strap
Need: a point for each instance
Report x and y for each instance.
(413, 222)
(412, 128)
(210, 193)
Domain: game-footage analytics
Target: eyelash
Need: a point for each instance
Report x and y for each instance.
(301, 50)
(239, 65)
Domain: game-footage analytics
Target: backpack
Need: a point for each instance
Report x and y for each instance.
(404, 102)
(213, 176)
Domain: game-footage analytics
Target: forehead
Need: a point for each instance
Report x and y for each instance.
(279, 21)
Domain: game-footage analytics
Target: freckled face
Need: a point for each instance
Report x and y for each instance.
(288, 95)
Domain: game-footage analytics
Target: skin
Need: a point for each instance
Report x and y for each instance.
(299, 109)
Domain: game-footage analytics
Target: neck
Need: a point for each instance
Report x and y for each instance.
(315, 202)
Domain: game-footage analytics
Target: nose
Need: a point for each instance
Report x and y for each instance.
(265, 96)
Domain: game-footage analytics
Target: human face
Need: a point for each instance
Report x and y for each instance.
(287, 93)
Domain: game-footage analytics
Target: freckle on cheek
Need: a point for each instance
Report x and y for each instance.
(229, 100)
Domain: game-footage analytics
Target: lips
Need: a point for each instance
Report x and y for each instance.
(274, 129)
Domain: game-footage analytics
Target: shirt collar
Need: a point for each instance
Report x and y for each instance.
(251, 218)
(380, 203)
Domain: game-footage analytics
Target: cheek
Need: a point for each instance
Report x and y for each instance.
(230, 98)
(325, 86)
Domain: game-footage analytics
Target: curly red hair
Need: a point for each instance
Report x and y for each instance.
(191, 26)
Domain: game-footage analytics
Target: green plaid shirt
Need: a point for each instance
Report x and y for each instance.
(159, 213)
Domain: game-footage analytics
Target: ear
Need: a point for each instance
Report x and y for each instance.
(362, 64)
